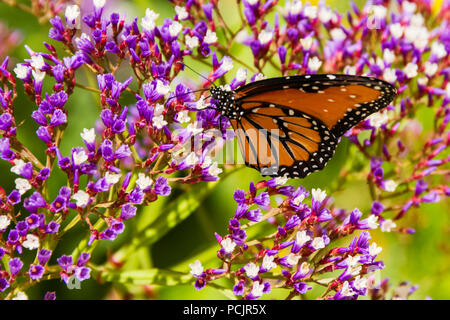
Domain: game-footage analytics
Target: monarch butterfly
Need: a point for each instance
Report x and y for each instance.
(290, 126)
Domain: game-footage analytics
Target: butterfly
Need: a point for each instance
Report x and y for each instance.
(290, 126)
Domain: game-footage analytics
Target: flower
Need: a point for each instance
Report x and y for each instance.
(196, 268)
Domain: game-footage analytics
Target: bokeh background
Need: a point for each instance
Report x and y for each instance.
(422, 258)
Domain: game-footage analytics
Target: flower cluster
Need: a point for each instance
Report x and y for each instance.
(297, 248)
(141, 147)
(128, 154)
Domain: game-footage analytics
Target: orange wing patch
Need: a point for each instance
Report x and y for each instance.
(330, 105)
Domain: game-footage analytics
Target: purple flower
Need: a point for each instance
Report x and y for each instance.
(82, 273)
(36, 271)
(162, 187)
(127, 211)
(34, 202)
(4, 284)
(15, 265)
(65, 262)
(50, 296)
(43, 256)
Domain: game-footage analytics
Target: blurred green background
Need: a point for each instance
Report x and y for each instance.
(422, 258)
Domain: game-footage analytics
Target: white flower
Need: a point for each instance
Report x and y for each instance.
(350, 70)
(408, 7)
(396, 30)
(257, 289)
(387, 225)
(161, 88)
(88, 135)
(346, 291)
(417, 20)
(259, 76)
(378, 12)
(31, 242)
(293, 8)
(325, 14)
(318, 243)
(112, 178)
(99, 3)
(390, 185)
(306, 43)
(196, 268)
(183, 116)
(352, 261)
(268, 263)
(437, 49)
(79, 157)
(148, 22)
(213, 170)
(423, 81)
(181, 12)
(318, 194)
(18, 166)
(304, 268)
(430, 68)
(159, 122)
(447, 89)
(372, 221)
(191, 42)
(241, 75)
(159, 108)
(4, 221)
(193, 128)
(38, 75)
(337, 34)
(210, 37)
(292, 259)
(378, 119)
(298, 199)
(73, 16)
(191, 159)
(252, 2)
(265, 37)
(417, 35)
(143, 181)
(251, 270)
(37, 62)
(389, 75)
(175, 28)
(200, 104)
(310, 12)
(22, 185)
(227, 63)
(314, 63)
(207, 161)
(388, 56)
(241, 36)
(81, 198)
(360, 283)
(374, 249)
(301, 238)
(21, 71)
(228, 245)
(20, 296)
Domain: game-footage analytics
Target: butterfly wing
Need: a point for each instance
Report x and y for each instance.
(304, 116)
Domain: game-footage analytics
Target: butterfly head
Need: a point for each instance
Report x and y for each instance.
(225, 101)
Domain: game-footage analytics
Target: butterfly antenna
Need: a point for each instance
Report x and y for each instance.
(197, 73)
(184, 94)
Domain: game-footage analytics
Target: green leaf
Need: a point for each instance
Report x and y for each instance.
(175, 212)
